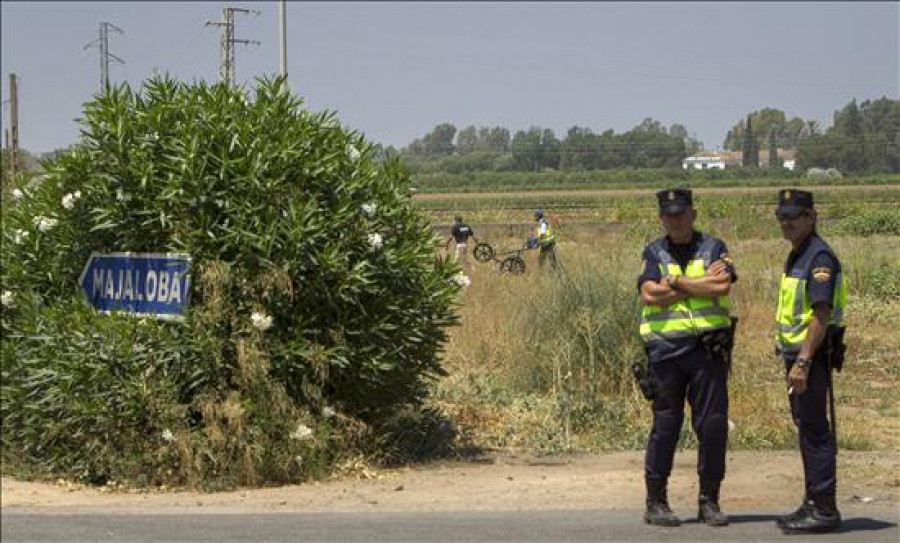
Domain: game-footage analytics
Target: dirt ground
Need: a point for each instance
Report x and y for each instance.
(492, 482)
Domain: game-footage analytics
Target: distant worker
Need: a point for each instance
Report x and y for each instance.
(809, 337)
(688, 334)
(545, 240)
(461, 232)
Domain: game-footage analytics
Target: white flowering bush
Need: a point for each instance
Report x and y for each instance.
(376, 241)
(68, 201)
(369, 209)
(304, 300)
(261, 321)
(462, 279)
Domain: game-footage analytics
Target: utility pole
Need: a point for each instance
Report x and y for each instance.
(103, 43)
(282, 16)
(12, 134)
(227, 69)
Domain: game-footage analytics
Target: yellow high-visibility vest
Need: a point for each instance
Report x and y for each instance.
(794, 312)
(690, 317)
(547, 236)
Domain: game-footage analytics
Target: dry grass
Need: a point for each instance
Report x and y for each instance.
(490, 361)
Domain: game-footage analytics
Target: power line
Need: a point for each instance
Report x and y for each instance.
(102, 43)
(12, 133)
(227, 69)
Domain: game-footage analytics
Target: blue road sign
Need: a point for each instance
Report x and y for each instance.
(153, 284)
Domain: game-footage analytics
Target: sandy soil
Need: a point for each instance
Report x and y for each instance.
(495, 481)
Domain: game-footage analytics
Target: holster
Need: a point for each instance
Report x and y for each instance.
(835, 348)
(720, 343)
(644, 380)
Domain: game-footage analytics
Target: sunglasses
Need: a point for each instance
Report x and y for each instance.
(790, 216)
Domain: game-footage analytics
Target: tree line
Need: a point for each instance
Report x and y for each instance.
(648, 145)
(863, 138)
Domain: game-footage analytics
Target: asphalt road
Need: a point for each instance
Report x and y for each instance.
(861, 524)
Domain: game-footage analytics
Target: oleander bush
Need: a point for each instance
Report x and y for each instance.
(317, 305)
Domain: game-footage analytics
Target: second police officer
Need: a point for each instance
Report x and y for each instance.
(684, 290)
(811, 303)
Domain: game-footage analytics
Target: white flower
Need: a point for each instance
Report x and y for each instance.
(352, 152)
(121, 196)
(369, 209)
(328, 412)
(461, 280)
(7, 298)
(17, 194)
(302, 432)
(167, 436)
(44, 224)
(261, 321)
(68, 201)
(19, 235)
(375, 241)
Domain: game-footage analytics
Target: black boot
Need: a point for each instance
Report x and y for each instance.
(709, 511)
(658, 512)
(804, 509)
(820, 516)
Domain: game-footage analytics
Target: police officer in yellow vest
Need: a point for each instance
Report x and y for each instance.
(684, 290)
(811, 298)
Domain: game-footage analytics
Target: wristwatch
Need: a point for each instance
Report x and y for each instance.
(673, 282)
(803, 363)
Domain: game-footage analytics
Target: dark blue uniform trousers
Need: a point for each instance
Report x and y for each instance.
(809, 411)
(705, 385)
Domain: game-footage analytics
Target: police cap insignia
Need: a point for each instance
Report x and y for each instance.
(787, 195)
(671, 195)
(821, 275)
(727, 259)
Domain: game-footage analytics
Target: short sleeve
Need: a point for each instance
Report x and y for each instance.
(649, 268)
(720, 252)
(822, 279)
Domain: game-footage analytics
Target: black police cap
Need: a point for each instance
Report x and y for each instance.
(674, 201)
(792, 202)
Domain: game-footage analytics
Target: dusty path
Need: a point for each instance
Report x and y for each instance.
(499, 481)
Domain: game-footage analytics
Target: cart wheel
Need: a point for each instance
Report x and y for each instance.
(483, 252)
(513, 265)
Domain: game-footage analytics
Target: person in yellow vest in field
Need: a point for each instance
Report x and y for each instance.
(684, 290)
(811, 300)
(546, 241)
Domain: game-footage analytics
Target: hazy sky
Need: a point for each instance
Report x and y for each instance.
(395, 70)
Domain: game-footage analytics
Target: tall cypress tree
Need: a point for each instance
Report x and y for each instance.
(774, 161)
(749, 145)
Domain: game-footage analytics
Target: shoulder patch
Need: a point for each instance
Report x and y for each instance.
(821, 275)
